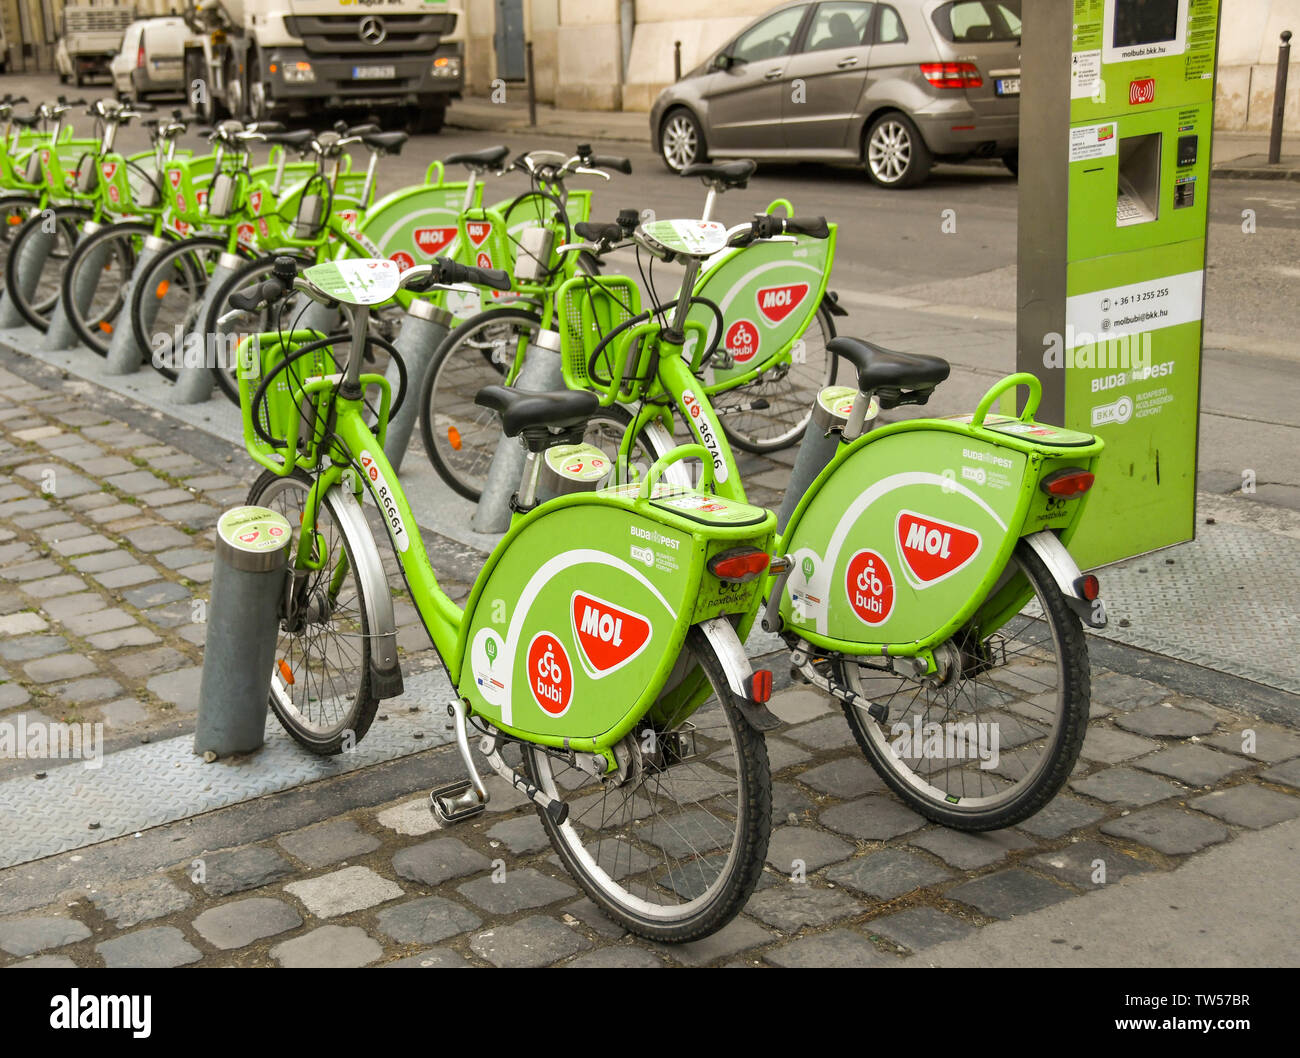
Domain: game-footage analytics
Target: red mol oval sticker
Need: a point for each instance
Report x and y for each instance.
(869, 584)
(431, 240)
(933, 550)
(776, 303)
(550, 676)
(478, 231)
(608, 636)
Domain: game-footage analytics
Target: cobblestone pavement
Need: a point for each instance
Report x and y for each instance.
(105, 552)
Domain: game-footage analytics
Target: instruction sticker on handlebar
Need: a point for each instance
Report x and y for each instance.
(356, 281)
(697, 238)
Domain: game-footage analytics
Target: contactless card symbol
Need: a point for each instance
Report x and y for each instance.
(608, 636)
(776, 303)
(550, 676)
(933, 550)
(430, 241)
(1141, 91)
(869, 585)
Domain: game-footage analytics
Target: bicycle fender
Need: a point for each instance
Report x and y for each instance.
(385, 668)
(1065, 571)
(735, 663)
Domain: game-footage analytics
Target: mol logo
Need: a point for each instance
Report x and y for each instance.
(478, 231)
(608, 636)
(255, 201)
(1142, 91)
(550, 676)
(430, 240)
(933, 550)
(776, 303)
(110, 170)
(174, 176)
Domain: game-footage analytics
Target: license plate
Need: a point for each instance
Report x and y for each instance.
(373, 73)
(1007, 86)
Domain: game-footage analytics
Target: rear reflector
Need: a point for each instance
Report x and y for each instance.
(739, 564)
(952, 74)
(1066, 484)
(1088, 587)
(760, 687)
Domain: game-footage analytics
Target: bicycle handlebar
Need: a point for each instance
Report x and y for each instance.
(445, 272)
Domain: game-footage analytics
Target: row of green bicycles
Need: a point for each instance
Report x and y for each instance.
(918, 573)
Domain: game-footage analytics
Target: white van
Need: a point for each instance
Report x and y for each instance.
(152, 58)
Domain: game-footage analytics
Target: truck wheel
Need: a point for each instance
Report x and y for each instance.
(429, 116)
(235, 97)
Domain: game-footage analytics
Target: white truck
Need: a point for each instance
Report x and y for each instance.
(261, 59)
(89, 38)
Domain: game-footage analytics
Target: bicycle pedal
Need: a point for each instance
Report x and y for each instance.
(455, 802)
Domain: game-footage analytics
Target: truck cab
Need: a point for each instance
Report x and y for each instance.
(89, 38)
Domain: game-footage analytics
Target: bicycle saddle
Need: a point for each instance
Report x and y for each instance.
(489, 158)
(558, 409)
(297, 139)
(895, 378)
(732, 174)
(27, 121)
(388, 142)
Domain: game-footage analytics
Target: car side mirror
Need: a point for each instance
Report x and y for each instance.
(723, 61)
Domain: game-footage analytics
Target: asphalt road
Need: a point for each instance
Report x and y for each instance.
(892, 243)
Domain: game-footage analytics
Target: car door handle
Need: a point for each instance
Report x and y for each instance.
(772, 75)
(844, 64)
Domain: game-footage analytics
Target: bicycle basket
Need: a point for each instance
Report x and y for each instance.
(588, 308)
(281, 411)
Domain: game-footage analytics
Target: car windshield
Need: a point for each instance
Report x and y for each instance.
(973, 21)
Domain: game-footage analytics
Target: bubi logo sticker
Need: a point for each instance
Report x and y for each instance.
(483, 261)
(933, 550)
(776, 303)
(608, 636)
(550, 676)
(741, 341)
(431, 240)
(402, 260)
(869, 584)
(478, 231)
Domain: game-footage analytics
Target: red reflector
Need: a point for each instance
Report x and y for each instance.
(1088, 587)
(760, 687)
(1068, 483)
(738, 566)
(952, 74)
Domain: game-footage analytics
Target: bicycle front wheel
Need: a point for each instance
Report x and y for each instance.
(320, 685)
(673, 845)
(990, 744)
(165, 305)
(37, 257)
(787, 391)
(97, 279)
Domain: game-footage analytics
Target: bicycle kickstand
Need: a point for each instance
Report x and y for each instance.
(458, 801)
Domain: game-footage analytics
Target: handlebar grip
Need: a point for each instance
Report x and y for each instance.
(246, 301)
(612, 161)
(813, 227)
(495, 278)
(594, 231)
(270, 126)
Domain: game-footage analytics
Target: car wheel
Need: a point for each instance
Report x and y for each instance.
(681, 140)
(894, 152)
(1012, 162)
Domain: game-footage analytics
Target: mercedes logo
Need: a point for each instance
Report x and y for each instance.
(372, 30)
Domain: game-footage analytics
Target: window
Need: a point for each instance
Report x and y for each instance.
(973, 21)
(770, 39)
(839, 25)
(889, 27)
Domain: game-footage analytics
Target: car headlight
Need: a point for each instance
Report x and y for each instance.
(299, 73)
(446, 66)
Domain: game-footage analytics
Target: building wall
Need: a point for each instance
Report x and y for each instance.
(1248, 41)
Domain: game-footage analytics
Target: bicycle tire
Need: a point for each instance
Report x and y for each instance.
(1036, 786)
(156, 282)
(94, 327)
(14, 211)
(722, 899)
(37, 308)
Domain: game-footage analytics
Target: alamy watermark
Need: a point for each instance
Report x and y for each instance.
(952, 740)
(25, 739)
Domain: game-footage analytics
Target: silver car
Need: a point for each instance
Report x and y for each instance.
(896, 86)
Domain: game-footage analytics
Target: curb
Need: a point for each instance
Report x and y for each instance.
(546, 126)
(1255, 172)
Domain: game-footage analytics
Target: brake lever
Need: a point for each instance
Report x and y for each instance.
(592, 172)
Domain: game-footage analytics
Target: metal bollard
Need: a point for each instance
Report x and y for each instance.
(532, 85)
(1279, 99)
(194, 384)
(820, 441)
(29, 267)
(677, 61)
(542, 372)
(123, 352)
(422, 332)
(243, 626)
(60, 334)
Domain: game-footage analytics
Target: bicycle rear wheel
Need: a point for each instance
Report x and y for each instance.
(789, 392)
(172, 292)
(990, 745)
(34, 281)
(14, 210)
(100, 270)
(673, 846)
(320, 686)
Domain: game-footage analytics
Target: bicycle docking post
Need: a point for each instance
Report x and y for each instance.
(60, 334)
(123, 354)
(423, 330)
(194, 384)
(29, 265)
(830, 415)
(243, 626)
(542, 372)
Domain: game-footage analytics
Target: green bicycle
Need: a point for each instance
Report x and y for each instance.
(620, 682)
